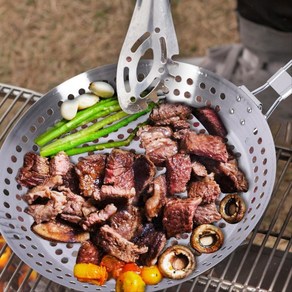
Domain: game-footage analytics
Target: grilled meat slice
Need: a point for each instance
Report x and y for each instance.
(116, 245)
(206, 214)
(34, 171)
(178, 172)
(88, 253)
(90, 171)
(211, 121)
(178, 215)
(99, 216)
(154, 240)
(171, 114)
(230, 178)
(155, 203)
(198, 169)
(207, 189)
(48, 211)
(126, 221)
(204, 145)
(60, 164)
(228, 175)
(60, 232)
(119, 169)
(115, 194)
(157, 143)
(144, 171)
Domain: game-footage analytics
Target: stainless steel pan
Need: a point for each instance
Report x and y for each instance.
(248, 133)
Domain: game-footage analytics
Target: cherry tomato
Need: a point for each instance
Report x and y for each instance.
(5, 255)
(131, 267)
(90, 273)
(113, 266)
(151, 275)
(130, 282)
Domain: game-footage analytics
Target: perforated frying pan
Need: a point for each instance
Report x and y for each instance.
(248, 133)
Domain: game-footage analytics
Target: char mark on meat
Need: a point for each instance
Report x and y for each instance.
(178, 173)
(119, 169)
(198, 169)
(154, 240)
(157, 143)
(211, 121)
(207, 189)
(90, 171)
(206, 214)
(144, 171)
(50, 210)
(156, 202)
(34, 171)
(178, 216)
(116, 245)
(88, 253)
(99, 216)
(204, 145)
(171, 114)
(126, 221)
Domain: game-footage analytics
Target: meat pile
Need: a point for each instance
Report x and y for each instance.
(129, 208)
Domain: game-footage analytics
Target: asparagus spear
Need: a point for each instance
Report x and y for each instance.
(92, 133)
(98, 110)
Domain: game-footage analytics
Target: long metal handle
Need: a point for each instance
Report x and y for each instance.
(281, 82)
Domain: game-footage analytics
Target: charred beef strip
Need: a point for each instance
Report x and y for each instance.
(116, 245)
(34, 171)
(178, 215)
(88, 253)
(157, 143)
(154, 240)
(99, 216)
(144, 172)
(119, 169)
(90, 171)
(206, 214)
(211, 121)
(198, 169)
(178, 172)
(228, 175)
(204, 145)
(50, 210)
(155, 203)
(126, 221)
(171, 114)
(207, 189)
(117, 195)
(60, 164)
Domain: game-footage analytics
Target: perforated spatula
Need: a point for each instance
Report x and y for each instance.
(151, 31)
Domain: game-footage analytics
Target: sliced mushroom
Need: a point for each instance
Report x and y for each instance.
(177, 262)
(57, 231)
(207, 238)
(232, 208)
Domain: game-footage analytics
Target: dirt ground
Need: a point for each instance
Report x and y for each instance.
(43, 43)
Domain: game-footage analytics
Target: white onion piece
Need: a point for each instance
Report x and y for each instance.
(69, 109)
(86, 100)
(101, 89)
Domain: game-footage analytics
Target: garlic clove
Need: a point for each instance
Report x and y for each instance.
(69, 109)
(86, 100)
(101, 89)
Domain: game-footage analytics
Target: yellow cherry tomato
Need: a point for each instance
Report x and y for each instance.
(90, 273)
(151, 275)
(130, 282)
